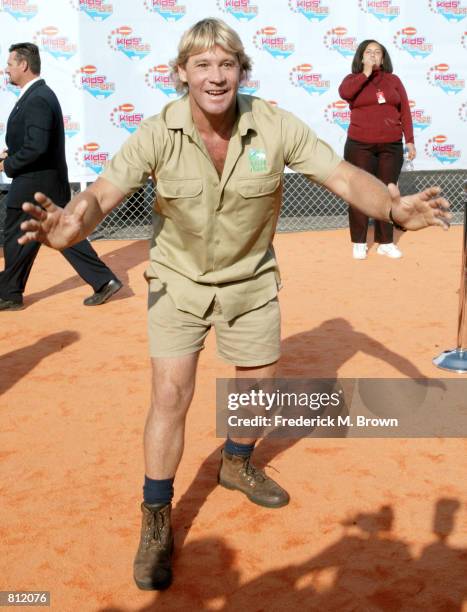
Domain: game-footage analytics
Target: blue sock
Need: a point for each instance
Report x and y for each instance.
(241, 450)
(158, 491)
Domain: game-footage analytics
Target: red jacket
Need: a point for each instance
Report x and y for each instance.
(373, 122)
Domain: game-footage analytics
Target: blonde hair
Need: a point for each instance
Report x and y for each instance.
(203, 36)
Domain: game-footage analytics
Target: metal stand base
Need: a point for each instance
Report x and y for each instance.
(454, 361)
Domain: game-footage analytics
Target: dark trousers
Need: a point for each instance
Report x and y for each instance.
(20, 258)
(383, 160)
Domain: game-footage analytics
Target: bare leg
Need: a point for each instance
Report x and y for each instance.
(267, 371)
(173, 384)
(236, 472)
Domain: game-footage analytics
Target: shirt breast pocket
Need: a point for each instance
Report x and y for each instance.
(181, 201)
(260, 199)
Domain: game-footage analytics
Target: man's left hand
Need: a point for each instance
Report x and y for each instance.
(414, 212)
(3, 156)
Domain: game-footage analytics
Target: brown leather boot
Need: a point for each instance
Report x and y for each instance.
(238, 473)
(152, 569)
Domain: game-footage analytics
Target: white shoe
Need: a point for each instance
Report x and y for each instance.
(359, 250)
(390, 249)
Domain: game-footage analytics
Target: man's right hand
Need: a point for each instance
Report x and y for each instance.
(51, 224)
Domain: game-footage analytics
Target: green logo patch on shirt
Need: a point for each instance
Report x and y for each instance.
(257, 159)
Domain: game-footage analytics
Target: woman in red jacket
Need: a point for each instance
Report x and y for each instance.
(380, 115)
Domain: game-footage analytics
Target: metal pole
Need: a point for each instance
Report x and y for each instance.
(456, 360)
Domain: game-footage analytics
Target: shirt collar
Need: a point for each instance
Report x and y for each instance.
(28, 85)
(179, 117)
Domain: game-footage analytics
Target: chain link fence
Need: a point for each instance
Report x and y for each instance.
(306, 206)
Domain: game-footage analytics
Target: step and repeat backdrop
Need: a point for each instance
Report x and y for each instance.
(108, 62)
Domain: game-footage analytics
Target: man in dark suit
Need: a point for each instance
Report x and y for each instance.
(35, 160)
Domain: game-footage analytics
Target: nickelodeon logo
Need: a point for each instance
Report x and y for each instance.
(449, 82)
(161, 73)
(340, 31)
(420, 120)
(313, 82)
(408, 39)
(89, 69)
(160, 77)
(90, 156)
(91, 146)
(338, 113)
(269, 31)
(126, 108)
(95, 84)
(123, 116)
(49, 31)
(267, 39)
(338, 40)
(124, 30)
(444, 152)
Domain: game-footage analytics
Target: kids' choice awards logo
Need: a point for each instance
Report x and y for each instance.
(409, 40)
(49, 40)
(267, 39)
(443, 151)
(313, 10)
(464, 40)
(97, 10)
(170, 10)
(122, 39)
(242, 10)
(71, 127)
(249, 87)
(451, 9)
(338, 113)
(420, 119)
(304, 76)
(90, 156)
(337, 40)
(21, 10)
(381, 9)
(124, 116)
(463, 112)
(444, 78)
(160, 77)
(97, 85)
(5, 84)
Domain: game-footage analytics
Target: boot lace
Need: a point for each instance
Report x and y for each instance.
(253, 473)
(154, 528)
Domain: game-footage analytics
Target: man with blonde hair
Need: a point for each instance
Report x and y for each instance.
(218, 159)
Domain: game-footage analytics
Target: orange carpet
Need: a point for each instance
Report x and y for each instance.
(373, 524)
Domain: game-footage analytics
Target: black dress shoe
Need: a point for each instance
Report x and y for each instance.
(104, 294)
(10, 305)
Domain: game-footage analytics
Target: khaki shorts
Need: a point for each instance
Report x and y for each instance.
(251, 339)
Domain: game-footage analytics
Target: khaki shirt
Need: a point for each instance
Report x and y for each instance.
(213, 235)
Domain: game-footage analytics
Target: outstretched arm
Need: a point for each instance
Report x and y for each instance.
(60, 228)
(372, 197)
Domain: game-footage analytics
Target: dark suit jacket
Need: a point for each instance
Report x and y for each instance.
(35, 139)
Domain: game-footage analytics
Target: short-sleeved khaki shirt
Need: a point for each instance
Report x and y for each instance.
(213, 235)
